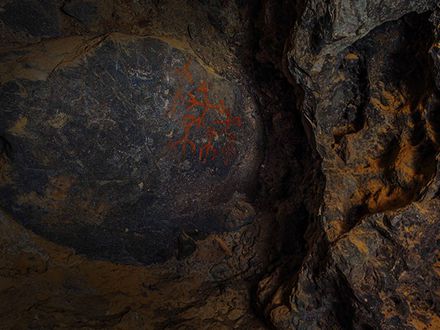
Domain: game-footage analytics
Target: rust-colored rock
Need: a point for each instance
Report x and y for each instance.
(372, 103)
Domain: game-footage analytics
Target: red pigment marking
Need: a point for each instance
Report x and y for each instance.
(212, 122)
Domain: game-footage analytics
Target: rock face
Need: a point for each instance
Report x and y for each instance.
(220, 164)
(372, 103)
(130, 144)
(118, 149)
(31, 17)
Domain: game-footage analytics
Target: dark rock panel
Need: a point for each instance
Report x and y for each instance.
(118, 149)
(38, 18)
(85, 12)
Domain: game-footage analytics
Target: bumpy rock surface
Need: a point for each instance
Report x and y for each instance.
(219, 164)
(371, 100)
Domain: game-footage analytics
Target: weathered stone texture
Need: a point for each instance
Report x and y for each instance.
(130, 144)
(124, 146)
(219, 164)
(372, 102)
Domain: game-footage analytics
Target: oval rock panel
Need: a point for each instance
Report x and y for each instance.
(116, 146)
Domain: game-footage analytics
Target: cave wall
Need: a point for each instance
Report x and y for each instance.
(324, 215)
(120, 206)
(369, 74)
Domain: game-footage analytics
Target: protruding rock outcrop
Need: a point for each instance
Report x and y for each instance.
(372, 103)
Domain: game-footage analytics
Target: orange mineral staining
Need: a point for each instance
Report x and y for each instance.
(207, 126)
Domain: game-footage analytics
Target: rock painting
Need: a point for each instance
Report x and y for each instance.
(118, 152)
(208, 126)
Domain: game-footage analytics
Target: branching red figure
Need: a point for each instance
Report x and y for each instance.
(206, 126)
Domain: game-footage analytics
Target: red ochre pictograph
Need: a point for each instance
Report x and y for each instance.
(207, 127)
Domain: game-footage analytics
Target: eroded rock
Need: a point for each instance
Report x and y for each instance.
(372, 103)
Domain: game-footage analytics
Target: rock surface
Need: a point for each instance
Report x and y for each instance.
(120, 144)
(371, 100)
(306, 197)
